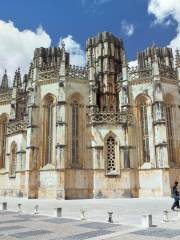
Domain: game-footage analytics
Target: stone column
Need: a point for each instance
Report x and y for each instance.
(159, 120)
(61, 125)
(32, 164)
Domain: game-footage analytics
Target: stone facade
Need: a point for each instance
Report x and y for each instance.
(106, 130)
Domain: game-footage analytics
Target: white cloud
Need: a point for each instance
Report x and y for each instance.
(94, 2)
(164, 11)
(17, 47)
(95, 6)
(127, 28)
(99, 2)
(77, 55)
(133, 63)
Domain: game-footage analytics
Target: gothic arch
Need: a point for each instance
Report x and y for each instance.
(13, 160)
(49, 97)
(143, 98)
(48, 115)
(75, 97)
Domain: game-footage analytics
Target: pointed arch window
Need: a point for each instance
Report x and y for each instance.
(169, 132)
(13, 160)
(143, 121)
(2, 142)
(75, 132)
(48, 130)
(144, 131)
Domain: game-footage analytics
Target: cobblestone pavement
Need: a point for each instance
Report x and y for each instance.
(127, 215)
(164, 231)
(125, 211)
(30, 227)
(15, 225)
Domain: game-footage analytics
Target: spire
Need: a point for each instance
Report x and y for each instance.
(19, 83)
(63, 51)
(91, 60)
(124, 60)
(153, 44)
(177, 58)
(4, 84)
(17, 79)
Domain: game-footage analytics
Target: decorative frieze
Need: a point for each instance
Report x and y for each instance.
(5, 97)
(140, 74)
(16, 127)
(167, 72)
(48, 74)
(96, 117)
(77, 72)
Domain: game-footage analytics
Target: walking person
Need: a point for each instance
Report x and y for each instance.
(175, 195)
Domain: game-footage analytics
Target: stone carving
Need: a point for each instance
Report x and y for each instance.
(167, 72)
(48, 74)
(77, 72)
(17, 127)
(6, 97)
(97, 118)
(140, 74)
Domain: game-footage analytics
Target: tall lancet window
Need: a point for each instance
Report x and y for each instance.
(144, 131)
(143, 122)
(169, 132)
(2, 141)
(48, 130)
(13, 160)
(169, 101)
(75, 133)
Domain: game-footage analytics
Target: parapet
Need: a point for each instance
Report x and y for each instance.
(164, 56)
(104, 37)
(49, 57)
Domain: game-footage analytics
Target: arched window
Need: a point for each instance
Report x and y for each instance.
(169, 126)
(111, 155)
(3, 121)
(143, 124)
(13, 160)
(48, 129)
(169, 131)
(144, 132)
(75, 132)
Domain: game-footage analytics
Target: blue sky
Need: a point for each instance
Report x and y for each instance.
(129, 19)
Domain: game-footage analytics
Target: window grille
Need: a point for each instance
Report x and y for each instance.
(111, 163)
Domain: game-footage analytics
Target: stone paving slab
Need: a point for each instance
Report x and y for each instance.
(37, 227)
(126, 211)
(165, 231)
(88, 235)
(159, 232)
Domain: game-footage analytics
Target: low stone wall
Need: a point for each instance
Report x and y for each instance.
(13, 186)
(154, 183)
(123, 185)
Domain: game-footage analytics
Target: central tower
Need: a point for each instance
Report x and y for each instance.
(104, 60)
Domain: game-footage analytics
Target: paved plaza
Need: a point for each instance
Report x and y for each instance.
(126, 217)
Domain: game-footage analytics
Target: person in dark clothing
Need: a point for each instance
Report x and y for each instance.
(175, 195)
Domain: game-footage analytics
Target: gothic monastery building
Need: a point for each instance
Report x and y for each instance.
(103, 131)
